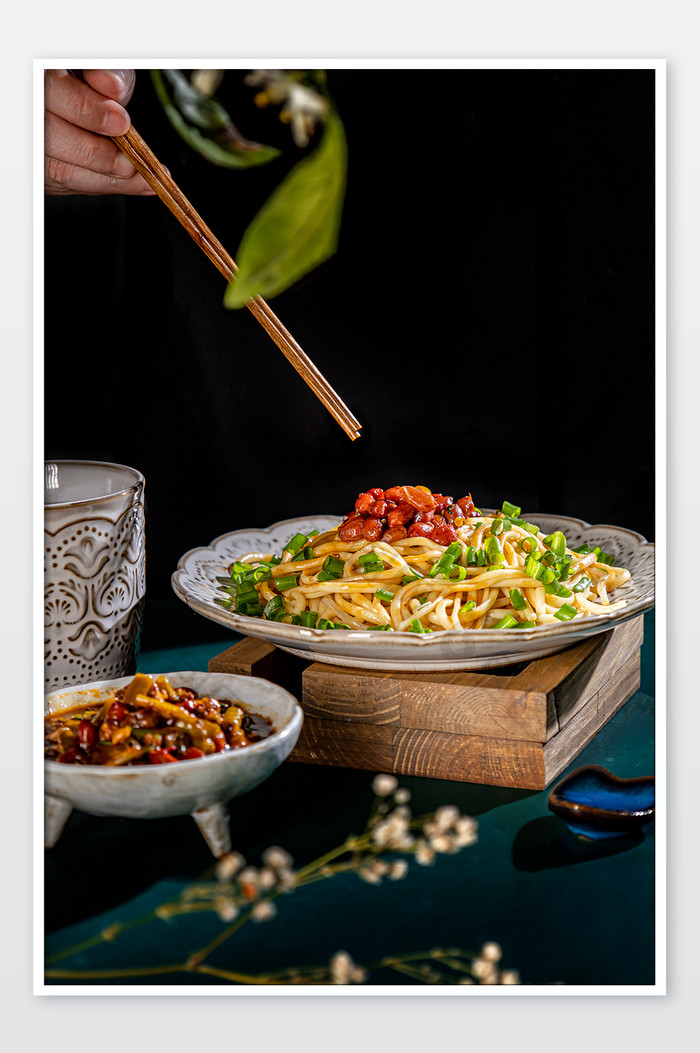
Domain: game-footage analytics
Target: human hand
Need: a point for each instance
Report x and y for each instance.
(79, 118)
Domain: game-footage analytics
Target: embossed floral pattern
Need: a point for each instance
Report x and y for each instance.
(94, 587)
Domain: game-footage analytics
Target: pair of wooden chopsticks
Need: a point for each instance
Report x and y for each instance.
(157, 177)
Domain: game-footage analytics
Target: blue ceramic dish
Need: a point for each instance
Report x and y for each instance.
(596, 805)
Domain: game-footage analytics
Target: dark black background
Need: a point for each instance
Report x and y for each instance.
(489, 315)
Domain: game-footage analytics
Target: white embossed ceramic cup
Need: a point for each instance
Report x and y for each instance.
(94, 571)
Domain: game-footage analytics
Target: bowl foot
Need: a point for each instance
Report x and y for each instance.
(214, 826)
(56, 814)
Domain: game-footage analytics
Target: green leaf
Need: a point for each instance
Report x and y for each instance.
(219, 141)
(297, 227)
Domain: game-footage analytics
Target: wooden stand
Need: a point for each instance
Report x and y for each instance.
(517, 726)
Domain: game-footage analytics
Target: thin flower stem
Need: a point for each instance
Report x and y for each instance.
(94, 941)
(109, 974)
(350, 845)
(199, 956)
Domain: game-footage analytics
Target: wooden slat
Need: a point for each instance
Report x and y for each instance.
(364, 746)
(602, 665)
(582, 729)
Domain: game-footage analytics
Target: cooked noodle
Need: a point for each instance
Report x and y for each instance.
(533, 579)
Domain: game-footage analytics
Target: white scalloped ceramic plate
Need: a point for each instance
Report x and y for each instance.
(194, 581)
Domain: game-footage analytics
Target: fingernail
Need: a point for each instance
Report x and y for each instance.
(116, 123)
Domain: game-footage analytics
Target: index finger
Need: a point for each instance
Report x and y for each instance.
(117, 84)
(78, 103)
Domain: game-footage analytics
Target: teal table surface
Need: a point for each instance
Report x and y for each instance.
(563, 910)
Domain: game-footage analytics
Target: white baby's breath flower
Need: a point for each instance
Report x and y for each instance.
(424, 854)
(510, 976)
(446, 816)
(229, 865)
(383, 785)
(491, 952)
(402, 795)
(398, 870)
(277, 858)
(465, 831)
(286, 879)
(267, 878)
(263, 911)
(344, 970)
(225, 908)
(442, 843)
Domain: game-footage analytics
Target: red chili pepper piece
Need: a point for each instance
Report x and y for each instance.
(425, 502)
(376, 492)
(402, 514)
(160, 756)
(378, 508)
(71, 756)
(191, 753)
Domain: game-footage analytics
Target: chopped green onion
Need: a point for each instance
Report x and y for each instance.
(556, 542)
(379, 628)
(494, 552)
(459, 571)
(481, 558)
(604, 557)
(496, 527)
(470, 556)
(369, 557)
(507, 622)
(582, 549)
(407, 578)
(323, 623)
(416, 627)
(273, 606)
(444, 564)
(528, 544)
(555, 588)
(226, 604)
(566, 612)
(531, 528)
(564, 568)
(309, 619)
(518, 600)
(312, 533)
(526, 625)
(287, 581)
(340, 625)
(385, 595)
(296, 544)
(582, 584)
(468, 606)
(532, 567)
(510, 510)
(274, 561)
(332, 569)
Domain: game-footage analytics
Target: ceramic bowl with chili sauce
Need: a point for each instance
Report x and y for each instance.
(164, 744)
